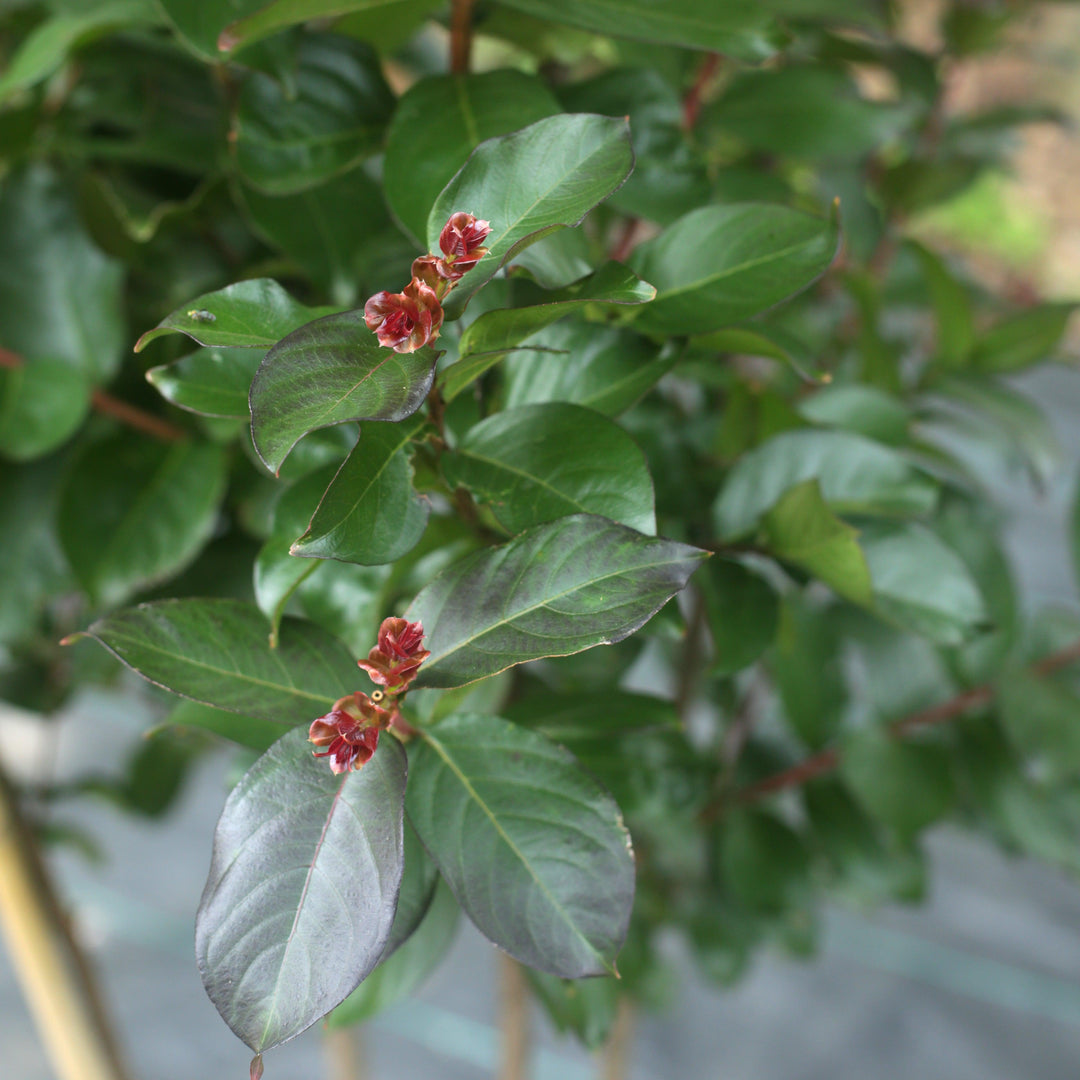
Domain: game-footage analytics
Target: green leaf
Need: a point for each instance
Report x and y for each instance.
(439, 121)
(540, 462)
(45, 49)
(328, 372)
(952, 309)
(210, 382)
(740, 28)
(764, 861)
(1024, 339)
(601, 367)
(333, 120)
(718, 265)
(217, 652)
(402, 974)
(865, 410)
(556, 589)
(60, 297)
(419, 882)
(801, 529)
(856, 476)
(302, 888)
(495, 333)
(530, 183)
(1042, 719)
(251, 314)
(906, 785)
(533, 848)
(42, 404)
(134, 512)
(567, 717)
(370, 513)
(244, 730)
(743, 611)
(200, 22)
(586, 1007)
(921, 584)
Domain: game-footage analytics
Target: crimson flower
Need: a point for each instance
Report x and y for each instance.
(461, 240)
(350, 731)
(434, 272)
(393, 663)
(407, 320)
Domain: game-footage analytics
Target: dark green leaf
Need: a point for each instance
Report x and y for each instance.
(586, 1007)
(42, 404)
(334, 119)
(439, 121)
(856, 476)
(251, 314)
(302, 889)
(1022, 340)
(200, 22)
(369, 513)
(134, 512)
(740, 28)
(801, 529)
(402, 974)
(328, 372)
(764, 861)
(1042, 718)
(556, 589)
(60, 297)
(211, 382)
(952, 309)
(865, 410)
(418, 884)
(600, 367)
(743, 611)
(566, 717)
(534, 850)
(718, 265)
(540, 462)
(530, 183)
(217, 652)
(906, 785)
(244, 730)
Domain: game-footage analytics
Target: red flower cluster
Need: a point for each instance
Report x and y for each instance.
(350, 731)
(407, 320)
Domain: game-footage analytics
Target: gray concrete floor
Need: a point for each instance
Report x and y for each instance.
(980, 983)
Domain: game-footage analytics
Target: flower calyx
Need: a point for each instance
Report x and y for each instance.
(349, 731)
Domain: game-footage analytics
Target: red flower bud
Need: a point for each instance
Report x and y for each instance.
(407, 320)
(350, 731)
(401, 638)
(460, 241)
(432, 271)
(393, 663)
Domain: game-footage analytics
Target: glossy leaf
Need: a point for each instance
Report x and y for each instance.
(604, 713)
(530, 183)
(369, 514)
(718, 265)
(335, 118)
(600, 367)
(855, 476)
(541, 462)
(302, 888)
(740, 28)
(217, 652)
(920, 583)
(42, 404)
(134, 512)
(534, 850)
(743, 610)
(801, 529)
(494, 333)
(401, 975)
(328, 372)
(556, 589)
(437, 124)
(60, 296)
(210, 382)
(251, 314)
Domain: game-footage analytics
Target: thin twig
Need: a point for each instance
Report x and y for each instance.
(625, 241)
(460, 36)
(514, 1027)
(136, 418)
(689, 667)
(692, 101)
(616, 1054)
(827, 760)
(344, 1057)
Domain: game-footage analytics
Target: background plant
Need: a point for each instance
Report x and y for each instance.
(703, 325)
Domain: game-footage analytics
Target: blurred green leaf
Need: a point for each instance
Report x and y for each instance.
(42, 404)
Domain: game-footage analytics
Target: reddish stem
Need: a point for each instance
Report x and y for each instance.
(828, 759)
(692, 101)
(626, 240)
(8, 359)
(460, 36)
(136, 418)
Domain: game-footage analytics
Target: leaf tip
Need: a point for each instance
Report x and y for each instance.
(72, 638)
(227, 42)
(144, 340)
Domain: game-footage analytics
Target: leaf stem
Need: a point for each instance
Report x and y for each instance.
(513, 1021)
(828, 759)
(460, 36)
(616, 1054)
(692, 101)
(136, 418)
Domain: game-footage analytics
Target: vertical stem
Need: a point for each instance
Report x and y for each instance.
(615, 1062)
(460, 36)
(54, 976)
(344, 1054)
(513, 1021)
